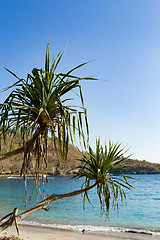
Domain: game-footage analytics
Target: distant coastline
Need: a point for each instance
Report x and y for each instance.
(130, 166)
(12, 166)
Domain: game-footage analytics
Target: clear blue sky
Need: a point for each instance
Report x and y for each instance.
(123, 38)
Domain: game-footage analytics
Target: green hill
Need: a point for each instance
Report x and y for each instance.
(13, 165)
(132, 166)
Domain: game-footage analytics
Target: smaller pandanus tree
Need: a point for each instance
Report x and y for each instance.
(97, 170)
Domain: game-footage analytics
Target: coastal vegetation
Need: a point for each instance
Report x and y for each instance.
(134, 166)
(12, 166)
(41, 111)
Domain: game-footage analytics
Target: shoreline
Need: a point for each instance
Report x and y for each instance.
(29, 232)
(130, 227)
(70, 175)
(47, 233)
(91, 230)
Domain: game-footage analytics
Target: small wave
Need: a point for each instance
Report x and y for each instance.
(12, 177)
(102, 230)
(29, 177)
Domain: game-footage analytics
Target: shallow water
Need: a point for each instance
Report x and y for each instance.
(140, 211)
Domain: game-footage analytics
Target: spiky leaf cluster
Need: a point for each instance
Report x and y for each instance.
(39, 107)
(99, 167)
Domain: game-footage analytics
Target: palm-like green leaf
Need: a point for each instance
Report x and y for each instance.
(39, 105)
(98, 167)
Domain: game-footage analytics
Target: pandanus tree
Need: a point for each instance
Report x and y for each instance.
(39, 107)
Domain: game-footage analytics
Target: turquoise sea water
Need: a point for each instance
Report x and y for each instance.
(141, 210)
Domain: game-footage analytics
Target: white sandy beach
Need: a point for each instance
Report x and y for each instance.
(43, 233)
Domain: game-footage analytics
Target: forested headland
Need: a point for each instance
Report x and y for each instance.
(55, 167)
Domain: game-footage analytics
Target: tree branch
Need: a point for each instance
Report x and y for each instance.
(11, 153)
(18, 150)
(41, 205)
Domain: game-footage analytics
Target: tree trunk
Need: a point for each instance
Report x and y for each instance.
(11, 154)
(18, 150)
(41, 205)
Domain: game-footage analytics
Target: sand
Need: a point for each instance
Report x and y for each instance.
(43, 233)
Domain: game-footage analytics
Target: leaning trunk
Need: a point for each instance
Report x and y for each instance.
(40, 206)
(18, 150)
(11, 153)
